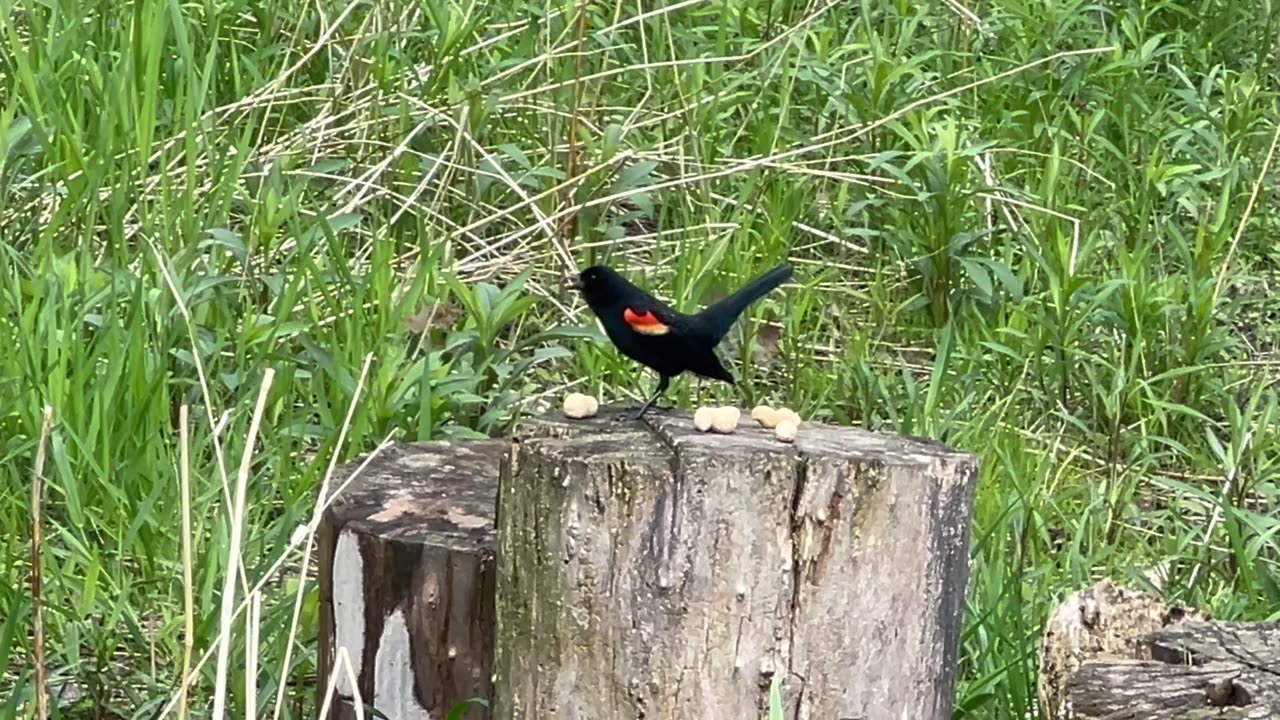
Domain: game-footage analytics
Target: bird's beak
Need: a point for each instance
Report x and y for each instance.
(574, 284)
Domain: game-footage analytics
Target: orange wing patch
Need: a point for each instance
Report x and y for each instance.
(645, 323)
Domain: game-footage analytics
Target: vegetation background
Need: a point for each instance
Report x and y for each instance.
(283, 233)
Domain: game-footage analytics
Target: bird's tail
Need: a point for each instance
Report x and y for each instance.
(720, 316)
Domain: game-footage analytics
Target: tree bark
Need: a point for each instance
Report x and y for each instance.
(407, 575)
(650, 571)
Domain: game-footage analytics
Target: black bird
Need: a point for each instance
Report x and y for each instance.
(648, 331)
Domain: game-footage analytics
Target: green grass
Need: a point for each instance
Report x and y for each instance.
(1028, 229)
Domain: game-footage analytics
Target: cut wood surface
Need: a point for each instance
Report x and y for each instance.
(1121, 654)
(647, 570)
(407, 577)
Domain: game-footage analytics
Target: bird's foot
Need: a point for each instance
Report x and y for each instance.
(627, 415)
(638, 414)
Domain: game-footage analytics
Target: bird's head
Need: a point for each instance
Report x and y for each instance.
(601, 286)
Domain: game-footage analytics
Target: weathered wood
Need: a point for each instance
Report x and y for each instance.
(1198, 670)
(407, 575)
(1120, 654)
(650, 571)
(1101, 621)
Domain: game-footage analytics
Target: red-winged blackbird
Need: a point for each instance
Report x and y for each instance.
(648, 331)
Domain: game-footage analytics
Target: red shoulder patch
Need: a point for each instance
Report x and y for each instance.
(645, 323)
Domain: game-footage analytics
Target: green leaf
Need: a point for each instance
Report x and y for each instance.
(978, 275)
(516, 154)
(459, 711)
(550, 353)
(19, 130)
(227, 239)
(486, 175)
(16, 616)
(1268, 583)
(1007, 278)
(563, 332)
(612, 140)
(775, 698)
(634, 176)
(328, 166)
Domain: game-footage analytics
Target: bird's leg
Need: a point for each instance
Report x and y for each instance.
(663, 383)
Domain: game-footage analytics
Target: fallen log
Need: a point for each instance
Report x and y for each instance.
(1118, 654)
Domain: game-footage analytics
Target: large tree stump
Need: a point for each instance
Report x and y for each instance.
(1119, 654)
(650, 571)
(407, 576)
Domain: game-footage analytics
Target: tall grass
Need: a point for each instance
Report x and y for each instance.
(1040, 230)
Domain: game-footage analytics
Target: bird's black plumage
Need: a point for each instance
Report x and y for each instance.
(650, 332)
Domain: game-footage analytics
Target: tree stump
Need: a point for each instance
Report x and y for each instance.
(407, 576)
(647, 570)
(1120, 654)
(1101, 621)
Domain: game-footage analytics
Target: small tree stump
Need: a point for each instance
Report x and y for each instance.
(1120, 654)
(407, 577)
(647, 570)
(1099, 622)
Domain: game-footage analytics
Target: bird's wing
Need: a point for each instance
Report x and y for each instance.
(650, 317)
